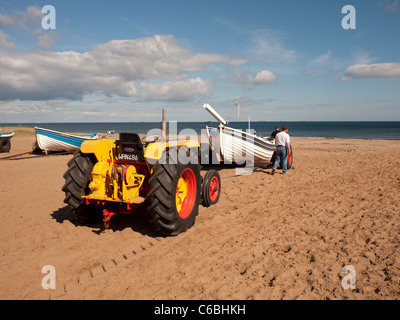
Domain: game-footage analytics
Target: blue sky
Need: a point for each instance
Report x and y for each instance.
(127, 60)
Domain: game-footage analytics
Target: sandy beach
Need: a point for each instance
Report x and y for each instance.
(269, 237)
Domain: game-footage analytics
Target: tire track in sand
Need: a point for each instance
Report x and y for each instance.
(84, 279)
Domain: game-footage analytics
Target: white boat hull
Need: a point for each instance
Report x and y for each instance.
(50, 140)
(237, 146)
(7, 135)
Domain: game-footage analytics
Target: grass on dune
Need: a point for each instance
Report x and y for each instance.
(19, 131)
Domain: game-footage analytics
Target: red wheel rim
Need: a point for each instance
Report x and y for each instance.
(186, 202)
(214, 188)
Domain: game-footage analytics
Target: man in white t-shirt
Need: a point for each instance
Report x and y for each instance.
(282, 143)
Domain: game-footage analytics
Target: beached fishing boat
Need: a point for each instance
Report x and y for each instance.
(50, 140)
(5, 143)
(233, 145)
(7, 135)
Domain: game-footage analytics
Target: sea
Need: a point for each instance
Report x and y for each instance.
(377, 130)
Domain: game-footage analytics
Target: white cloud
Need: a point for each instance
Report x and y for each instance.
(45, 39)
(266, 44)
(23, 19)
(325, 63)
(377, 70)
(264, 76)
(181, 90)
(362, 57)
(389, 5)
(4, 43)
(260, 78)
(117, 67)
(322, 59)
(310, 73)
(153, 57)
(6, 21)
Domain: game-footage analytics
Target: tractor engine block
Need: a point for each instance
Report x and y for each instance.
(121, 177)
(117, 182)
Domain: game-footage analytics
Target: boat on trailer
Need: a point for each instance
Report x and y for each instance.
(55, 141)
(236, 146)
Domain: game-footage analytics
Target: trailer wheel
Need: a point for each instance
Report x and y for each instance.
(211, 188)
(77, 179)
(174, 195)
(290, 159)
(5, 145)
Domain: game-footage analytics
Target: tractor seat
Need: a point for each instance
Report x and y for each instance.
(130, 143)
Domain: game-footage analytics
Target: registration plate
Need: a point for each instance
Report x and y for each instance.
(128, 156)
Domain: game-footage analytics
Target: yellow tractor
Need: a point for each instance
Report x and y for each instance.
(108, 177)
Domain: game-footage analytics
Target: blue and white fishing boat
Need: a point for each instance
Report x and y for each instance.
(50, 140)
(233, 145)
(8, 135)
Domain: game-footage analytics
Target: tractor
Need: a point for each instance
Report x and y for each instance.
(108, 177)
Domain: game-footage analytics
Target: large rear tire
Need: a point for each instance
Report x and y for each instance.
(174, 196)
(77, 179)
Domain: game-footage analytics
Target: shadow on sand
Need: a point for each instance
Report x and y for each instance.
(138, 222)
